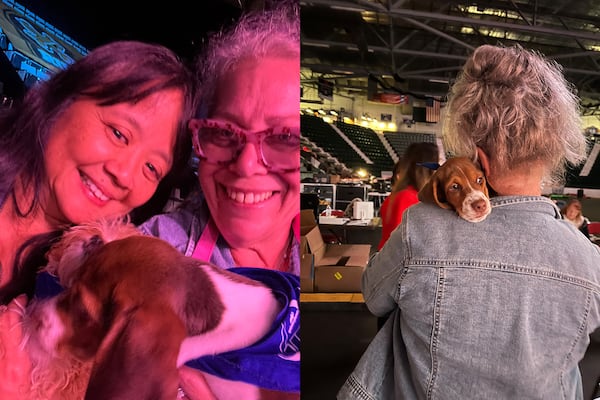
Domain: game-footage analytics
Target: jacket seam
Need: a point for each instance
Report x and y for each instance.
(357, 388)
(436, 329)
(550, 274)
(580, 333)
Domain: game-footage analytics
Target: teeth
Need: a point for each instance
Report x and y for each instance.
(248, 198)
(94, 189)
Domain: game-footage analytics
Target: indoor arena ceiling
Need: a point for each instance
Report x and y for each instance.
(172, 23)
(418, 47)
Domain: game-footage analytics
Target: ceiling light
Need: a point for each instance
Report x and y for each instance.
(362, 173)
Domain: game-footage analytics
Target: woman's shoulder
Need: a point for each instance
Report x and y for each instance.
(178, 225)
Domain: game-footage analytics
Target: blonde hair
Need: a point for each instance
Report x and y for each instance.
(573, 203)
(518, 108)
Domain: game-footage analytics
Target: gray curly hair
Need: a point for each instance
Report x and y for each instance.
(518, 108)
(273, 32)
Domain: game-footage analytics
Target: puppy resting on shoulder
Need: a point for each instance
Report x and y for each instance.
(130, 301)
(459, 184)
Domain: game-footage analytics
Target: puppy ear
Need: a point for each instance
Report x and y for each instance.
(426, 193)
(67, 256)
(137, 359)
(87, 317)
(433, 192)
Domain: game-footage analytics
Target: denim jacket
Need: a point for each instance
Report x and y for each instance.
(499, 309)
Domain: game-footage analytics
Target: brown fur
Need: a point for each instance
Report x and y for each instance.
(460, 185)
(126, 310)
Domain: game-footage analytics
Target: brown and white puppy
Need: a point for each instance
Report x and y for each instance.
(459, 184)
(129, 303)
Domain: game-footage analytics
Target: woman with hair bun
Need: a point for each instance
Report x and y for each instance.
(502, 308)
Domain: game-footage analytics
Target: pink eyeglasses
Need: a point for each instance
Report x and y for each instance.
(220, 142)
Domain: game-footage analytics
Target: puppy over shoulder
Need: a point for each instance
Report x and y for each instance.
(460, 185)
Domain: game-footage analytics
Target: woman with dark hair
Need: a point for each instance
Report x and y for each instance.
(409, 177)
(95, 140)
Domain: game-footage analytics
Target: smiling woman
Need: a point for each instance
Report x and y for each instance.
(247, 138)
(110, 159)
(95, 140)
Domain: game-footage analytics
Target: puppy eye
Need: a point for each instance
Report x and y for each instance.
(479, 180)
(455, 186)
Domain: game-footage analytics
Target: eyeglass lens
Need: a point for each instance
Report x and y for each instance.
(278, 150)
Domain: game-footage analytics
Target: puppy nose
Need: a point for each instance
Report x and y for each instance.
(479, 205)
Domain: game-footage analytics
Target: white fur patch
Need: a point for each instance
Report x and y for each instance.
(471, 214)
(51, 328)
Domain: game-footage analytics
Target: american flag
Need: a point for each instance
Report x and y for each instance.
(432, 109)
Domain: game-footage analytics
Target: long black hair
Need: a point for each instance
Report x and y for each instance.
(118, 72)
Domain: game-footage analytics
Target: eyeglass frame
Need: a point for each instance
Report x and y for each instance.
(257, 138)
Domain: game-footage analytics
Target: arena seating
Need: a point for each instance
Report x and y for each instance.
(324, 136)
(367, 141)
(400, 141)
(336, 156)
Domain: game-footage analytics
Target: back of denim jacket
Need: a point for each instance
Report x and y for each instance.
(498, 309)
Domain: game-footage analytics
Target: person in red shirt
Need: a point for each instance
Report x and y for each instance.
(409, 177)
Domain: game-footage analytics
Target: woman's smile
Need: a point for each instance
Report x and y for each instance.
(97, 193)
(248, 197)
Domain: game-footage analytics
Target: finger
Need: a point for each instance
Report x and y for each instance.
(14, 312)
(193, 384)
(19, 302)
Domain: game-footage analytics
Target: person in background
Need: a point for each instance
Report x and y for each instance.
(94, 140)
(572, 213)
(410, 178)
(590, 363)
(509, 317)
(397, 172)
(247, 138)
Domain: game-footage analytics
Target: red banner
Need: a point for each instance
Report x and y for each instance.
(390, 98)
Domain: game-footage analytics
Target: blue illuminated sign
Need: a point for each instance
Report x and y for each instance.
(35, 47)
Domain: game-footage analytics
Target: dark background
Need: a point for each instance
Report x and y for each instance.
(180, 25)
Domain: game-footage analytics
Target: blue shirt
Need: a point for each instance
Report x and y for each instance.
(273, 362)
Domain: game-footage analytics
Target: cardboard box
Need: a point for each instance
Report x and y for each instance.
(342, 279)
(307, 273)
(307, 222)
(336, 267)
